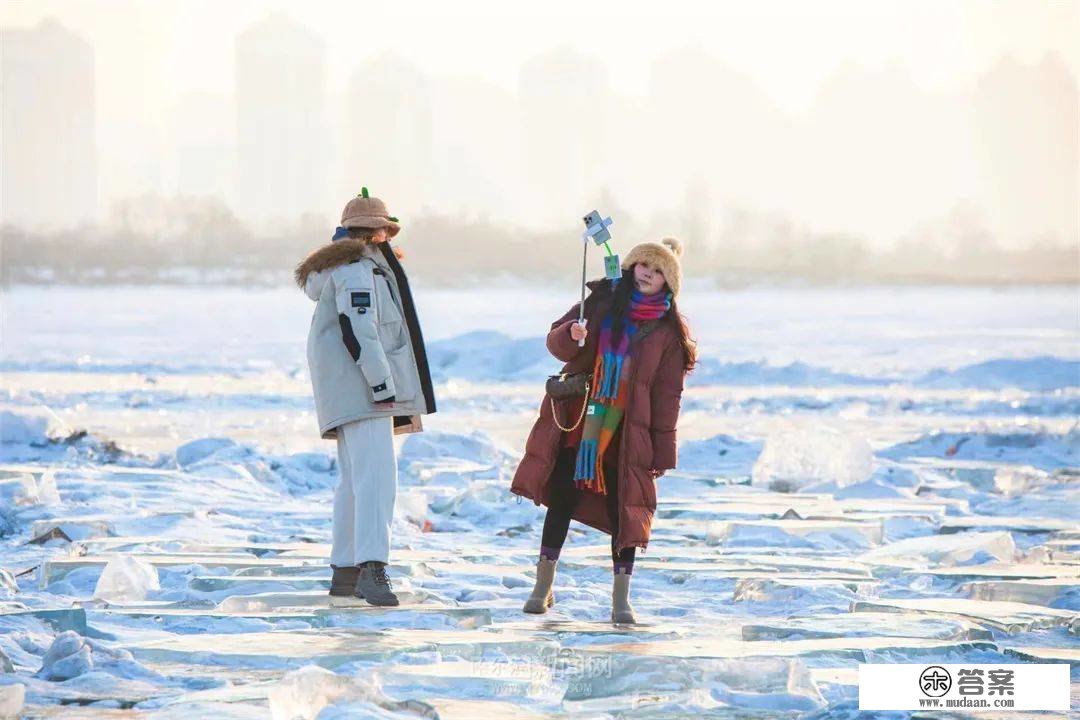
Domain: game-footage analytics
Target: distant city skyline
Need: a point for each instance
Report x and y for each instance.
(48, 140)
(869, 151)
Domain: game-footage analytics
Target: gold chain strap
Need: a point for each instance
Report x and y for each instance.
(584, 404)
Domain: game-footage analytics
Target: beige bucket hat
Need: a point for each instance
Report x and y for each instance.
(368, 212)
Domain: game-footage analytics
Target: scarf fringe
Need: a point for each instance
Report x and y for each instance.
(597, 376)
(607, 372)
(588, 474)
(609, 388)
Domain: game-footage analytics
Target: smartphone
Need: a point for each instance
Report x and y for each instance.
(592, 220)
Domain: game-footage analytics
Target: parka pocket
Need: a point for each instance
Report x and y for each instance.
(393, 337)
(401, 368)
(392, 332)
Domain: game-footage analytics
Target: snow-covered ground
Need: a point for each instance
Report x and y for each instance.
(865, 475)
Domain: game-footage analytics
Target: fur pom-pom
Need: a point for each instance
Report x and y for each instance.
(674, 244)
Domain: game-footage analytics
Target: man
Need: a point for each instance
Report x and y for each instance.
(370, 377)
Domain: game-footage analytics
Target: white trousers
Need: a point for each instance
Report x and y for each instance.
(364, 499)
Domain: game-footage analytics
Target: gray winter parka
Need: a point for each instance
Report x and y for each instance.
(365, 345)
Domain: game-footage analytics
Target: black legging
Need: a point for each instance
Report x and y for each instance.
(563, 498)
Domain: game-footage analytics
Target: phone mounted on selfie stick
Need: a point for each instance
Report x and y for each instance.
(596, 229)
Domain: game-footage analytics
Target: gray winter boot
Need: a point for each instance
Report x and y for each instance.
(373, 585)
(542, 598)
(621, 611)
(343, 584)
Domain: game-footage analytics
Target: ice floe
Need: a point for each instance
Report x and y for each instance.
(19, 429)
(1032, 447)
(125, 579)
(801, 454)
(68, 657)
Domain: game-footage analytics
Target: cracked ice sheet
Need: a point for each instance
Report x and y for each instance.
(261, 511)
(1058, 592)
(1022, 571)
(857, 647)
(1002, 615)
(863, 624)
(330, 646)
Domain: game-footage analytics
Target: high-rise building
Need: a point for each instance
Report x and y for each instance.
(387, 132)
(1025, 120)
(49, 174)
(476, 169)
(282, 134)
(202, 131)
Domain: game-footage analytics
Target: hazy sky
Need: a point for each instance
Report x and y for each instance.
(150, 56)
(787, 46)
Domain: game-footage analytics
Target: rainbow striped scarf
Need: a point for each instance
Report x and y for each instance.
(610, 386)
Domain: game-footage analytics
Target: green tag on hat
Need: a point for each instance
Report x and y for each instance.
(363, 192)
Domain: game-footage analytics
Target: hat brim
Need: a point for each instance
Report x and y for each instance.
(372, 222)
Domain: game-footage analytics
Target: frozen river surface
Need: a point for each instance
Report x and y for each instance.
(865, 475)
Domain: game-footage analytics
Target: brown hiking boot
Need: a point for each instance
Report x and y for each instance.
(374, 586)
(343, 583)
(542, 597)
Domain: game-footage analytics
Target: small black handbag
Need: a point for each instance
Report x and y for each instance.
(566, 386)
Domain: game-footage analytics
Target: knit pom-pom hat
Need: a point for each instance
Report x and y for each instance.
(664, 255)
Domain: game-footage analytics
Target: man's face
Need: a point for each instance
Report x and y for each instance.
(648, 279)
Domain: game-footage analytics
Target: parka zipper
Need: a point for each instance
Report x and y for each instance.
(389, 286)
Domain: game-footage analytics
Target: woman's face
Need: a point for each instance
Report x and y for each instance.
(380, 235)
(648, 279)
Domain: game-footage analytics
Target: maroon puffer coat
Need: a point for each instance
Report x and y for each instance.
(658, 370)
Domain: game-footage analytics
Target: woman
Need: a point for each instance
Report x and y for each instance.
(370, 376)
(603, 472)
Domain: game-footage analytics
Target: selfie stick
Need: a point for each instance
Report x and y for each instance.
(596, 229)
(581, 310)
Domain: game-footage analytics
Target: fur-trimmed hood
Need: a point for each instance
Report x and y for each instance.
(328, 257)
(336, 254)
